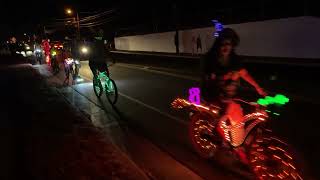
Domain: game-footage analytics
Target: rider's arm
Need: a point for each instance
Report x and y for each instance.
(244, 74)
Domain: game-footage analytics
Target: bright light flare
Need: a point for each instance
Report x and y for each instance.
(54, 53)
(68, 11)
(84, 50)
(79, 79)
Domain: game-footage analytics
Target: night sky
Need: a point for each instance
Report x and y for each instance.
(18, 17)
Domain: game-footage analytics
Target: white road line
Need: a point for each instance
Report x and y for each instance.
(160, 72)
(154, 109)
(149, 107)
(198, 80)
(153, 54)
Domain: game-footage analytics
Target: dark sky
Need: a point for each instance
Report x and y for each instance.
(17, 17)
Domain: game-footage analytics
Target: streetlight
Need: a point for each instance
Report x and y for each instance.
(70, 12)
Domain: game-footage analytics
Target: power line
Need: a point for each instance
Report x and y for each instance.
(89, 18)
(97, 23)
(85, 22)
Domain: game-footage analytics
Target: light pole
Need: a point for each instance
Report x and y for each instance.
(70, 12)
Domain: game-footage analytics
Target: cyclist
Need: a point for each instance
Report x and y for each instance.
(66, 56)
(97, 60)
(222, 74)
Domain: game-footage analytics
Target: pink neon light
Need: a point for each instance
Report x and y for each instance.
(194, 95)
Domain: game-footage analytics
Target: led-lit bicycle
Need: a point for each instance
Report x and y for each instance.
(249, 142)
(103, 83)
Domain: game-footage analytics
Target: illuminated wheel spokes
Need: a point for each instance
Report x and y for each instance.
(98, 89)
(270, 159)
(111, 91)
(201, 129)
(109, 87)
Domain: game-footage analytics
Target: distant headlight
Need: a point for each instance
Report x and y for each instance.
(84, 50)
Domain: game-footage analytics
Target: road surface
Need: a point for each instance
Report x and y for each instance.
(144, 104)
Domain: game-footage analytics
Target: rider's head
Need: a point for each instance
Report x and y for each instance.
(228, 39)
(224, 46)
(96, 34)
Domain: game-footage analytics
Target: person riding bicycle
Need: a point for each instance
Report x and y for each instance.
(222, 73)
(97, 60)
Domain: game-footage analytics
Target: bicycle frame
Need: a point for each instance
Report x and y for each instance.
(103, 78)
(231, 133)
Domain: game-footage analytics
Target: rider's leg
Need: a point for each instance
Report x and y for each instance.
(235, 114)
(234, 111)
(106, 69)
(240, 151)
(93, 68)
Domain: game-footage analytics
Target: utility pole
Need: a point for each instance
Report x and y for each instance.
(78, 26)
(262, 9)
(176, 36)
(305, 7)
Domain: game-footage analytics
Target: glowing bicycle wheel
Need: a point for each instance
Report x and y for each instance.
(97, 87)
(111, 91)
(270, 158)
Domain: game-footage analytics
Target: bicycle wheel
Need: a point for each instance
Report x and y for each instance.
(97, 87)
(111, 91)
(272, 158)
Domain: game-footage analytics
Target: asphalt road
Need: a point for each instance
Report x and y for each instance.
(144, 103)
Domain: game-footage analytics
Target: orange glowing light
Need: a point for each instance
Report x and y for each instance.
(285, 172)
(283, 162)
(279, 141)
(287, 155)
(276, 156)
(272, 148)
(271, 175)
(280, 149)
(292, 166)
(294, 177)
(280, 176)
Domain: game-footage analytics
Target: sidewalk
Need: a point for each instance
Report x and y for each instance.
(44, 137)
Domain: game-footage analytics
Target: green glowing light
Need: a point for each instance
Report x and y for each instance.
(277, 114)
(278, 99)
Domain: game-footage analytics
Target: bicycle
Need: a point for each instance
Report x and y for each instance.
(102, 82)
(55, 65)
(69, 69)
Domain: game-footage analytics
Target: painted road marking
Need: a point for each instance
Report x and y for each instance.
(293, 96)
(300, 98)
(154, 109)
(160, 72)
(145, 105)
